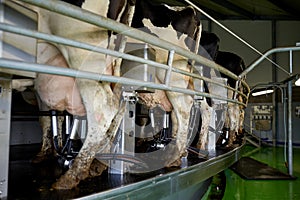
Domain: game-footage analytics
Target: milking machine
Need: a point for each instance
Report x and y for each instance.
(162, 127)
(124, 142)
(124, 145)
(220, 107)
(69, 143)
(217, 112)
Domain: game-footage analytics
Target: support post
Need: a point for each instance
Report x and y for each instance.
(290, 130)
(125, 140)
(275, 126)
(5, 116)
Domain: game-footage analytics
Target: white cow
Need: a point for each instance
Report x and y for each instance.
(54, 93)
(100, 104)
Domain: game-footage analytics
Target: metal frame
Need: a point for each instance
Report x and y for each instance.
(72, 11)
(77, 13)
(289, 80)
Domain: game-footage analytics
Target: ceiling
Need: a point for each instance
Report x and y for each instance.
(246, 9)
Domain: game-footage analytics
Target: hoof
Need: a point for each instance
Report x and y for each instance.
(201, 152)
(200, 146)
(175, 163)
(65, 183)
(96, 168)
(41, 157)
(231, 146)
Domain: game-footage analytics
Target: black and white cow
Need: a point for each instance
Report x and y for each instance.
(180, 26)
(209, 47)
(101, 105)
(235, 113)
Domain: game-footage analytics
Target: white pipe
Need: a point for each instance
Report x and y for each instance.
(290, 130)
(269, 52)
(48, 69)
(68, 42)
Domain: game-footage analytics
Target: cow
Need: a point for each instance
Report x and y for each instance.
(209, 45)
(235, 113)
(57, 93)
(180, 26)
(100, 105)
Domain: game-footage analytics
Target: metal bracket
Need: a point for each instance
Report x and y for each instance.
(125, 140)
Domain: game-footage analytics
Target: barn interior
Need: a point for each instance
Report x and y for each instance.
(265, 29)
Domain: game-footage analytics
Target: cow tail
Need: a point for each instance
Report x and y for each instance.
(121, 40)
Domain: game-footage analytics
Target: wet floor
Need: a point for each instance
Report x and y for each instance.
(32, 181)
(241, 189)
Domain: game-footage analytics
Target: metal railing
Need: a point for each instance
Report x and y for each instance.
(86, 16)
(288, 81)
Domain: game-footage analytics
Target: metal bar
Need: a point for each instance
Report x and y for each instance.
(275, 125)
(81, 45)
(110, 24)
(86, 16)
(269, 52)
(48, 69)
(5, 122)
(170, 62)
(73, 43)
(1, 32)
(290, 130)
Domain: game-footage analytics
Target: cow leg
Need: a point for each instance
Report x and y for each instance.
(206, 112)
(240, 133)
(241, 117)
(182, 105)
(223, 140)
(47, 148)
(101, 108)
(234, 114)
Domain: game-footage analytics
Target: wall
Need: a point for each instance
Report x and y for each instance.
(259, 35)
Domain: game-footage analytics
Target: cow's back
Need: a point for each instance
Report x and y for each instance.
(178, 25)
